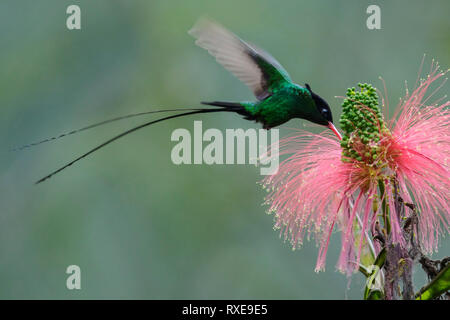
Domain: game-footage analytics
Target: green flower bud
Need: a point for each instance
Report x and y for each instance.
(360, 120)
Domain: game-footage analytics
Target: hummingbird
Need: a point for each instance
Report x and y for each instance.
(278, 98)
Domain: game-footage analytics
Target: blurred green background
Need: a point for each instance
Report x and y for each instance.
(137, 225)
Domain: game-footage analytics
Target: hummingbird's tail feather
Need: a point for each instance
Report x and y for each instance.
(132, 115)
(229, 106)
(223, 104)
(197, 111)
(236, 107)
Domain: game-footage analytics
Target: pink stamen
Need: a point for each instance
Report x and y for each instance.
(313, 189)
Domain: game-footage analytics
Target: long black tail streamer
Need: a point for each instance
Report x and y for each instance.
(99, 124)
(126, 133)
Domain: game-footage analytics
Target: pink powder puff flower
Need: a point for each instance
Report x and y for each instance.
(354, 183)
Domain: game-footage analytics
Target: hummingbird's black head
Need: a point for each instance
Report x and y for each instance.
(322, 107)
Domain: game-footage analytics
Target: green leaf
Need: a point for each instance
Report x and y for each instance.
(439, 285)
(375, 294)
(364, 271)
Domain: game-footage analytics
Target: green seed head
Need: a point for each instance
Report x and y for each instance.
(362, 123)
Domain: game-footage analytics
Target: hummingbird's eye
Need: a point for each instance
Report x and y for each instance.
(326, 113)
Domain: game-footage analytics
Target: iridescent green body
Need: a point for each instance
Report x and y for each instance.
(287, 101)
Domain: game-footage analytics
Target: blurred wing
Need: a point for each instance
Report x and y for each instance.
(250, 64)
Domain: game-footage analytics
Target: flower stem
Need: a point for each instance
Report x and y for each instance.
(384, 207)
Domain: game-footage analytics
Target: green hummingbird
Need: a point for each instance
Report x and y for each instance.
(278, 98)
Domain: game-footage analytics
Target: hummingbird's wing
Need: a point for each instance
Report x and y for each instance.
(250, 64)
